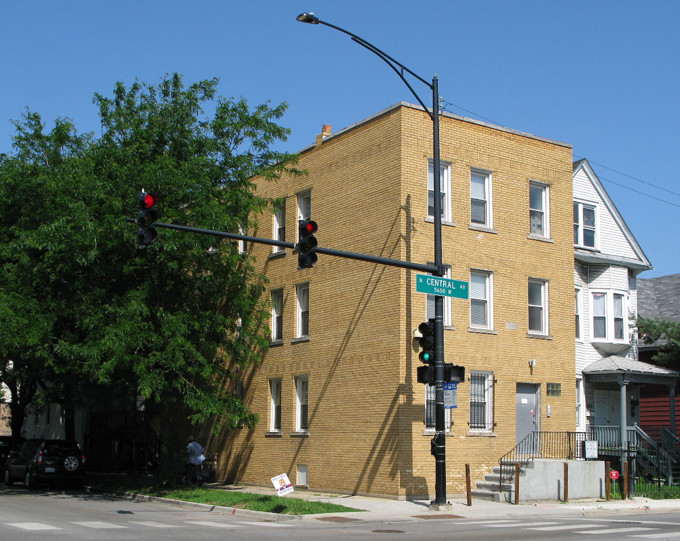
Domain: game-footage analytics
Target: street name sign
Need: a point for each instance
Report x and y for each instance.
(437, 285)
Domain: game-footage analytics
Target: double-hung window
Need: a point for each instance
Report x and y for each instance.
(242, 248)
(275, 405)
(447, 302)
(619, 332)
(277, 315)
(538, 306)
(599, 315)
(301, 404)
(481, 401)
(431, 408)
(577, 312)
(302, 294)
(538, 210)
(609, 322)
(585, 221)
(279, 223)
(304, 205)
(480, 198)
(481, 299)
(444, 188)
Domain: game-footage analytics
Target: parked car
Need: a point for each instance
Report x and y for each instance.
(7, 444)
(45, 460)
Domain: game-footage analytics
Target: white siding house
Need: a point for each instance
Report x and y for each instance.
(607, 262)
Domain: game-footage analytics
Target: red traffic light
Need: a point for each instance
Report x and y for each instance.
(147, 200)
(308, 227)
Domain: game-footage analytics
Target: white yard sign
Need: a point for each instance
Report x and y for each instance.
(282, 484)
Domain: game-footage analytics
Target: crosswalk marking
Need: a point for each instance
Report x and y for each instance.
(487, 522)
(32, 526)
(563, 527)
(616, 530)
(154, 524)
(506, 524)
(211, 524)
(667, 535)
(99, 525)
(268, 524)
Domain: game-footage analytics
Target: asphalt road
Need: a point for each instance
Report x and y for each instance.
(73, 515)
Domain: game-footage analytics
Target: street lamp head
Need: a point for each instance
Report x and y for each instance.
(308, 18)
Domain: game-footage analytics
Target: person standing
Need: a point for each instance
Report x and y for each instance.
(195, 458)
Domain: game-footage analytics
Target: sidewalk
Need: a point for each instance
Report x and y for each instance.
(381, 509)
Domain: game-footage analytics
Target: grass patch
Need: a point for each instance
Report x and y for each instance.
(216, 496)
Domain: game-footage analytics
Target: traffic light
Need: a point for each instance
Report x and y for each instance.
(426, 340)
(306, 244)
(146, 217)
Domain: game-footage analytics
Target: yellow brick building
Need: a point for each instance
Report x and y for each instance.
(340, 408)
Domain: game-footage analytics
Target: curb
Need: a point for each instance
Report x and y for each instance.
(234, 511)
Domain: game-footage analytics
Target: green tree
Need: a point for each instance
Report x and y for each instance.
(667, 334)
(172, 321)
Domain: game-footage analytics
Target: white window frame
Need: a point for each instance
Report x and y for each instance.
(486, 298)
(242, 248)
(580, 228)
(578, 311)
(444, 187)
(429, 302)
(277, 315)
(275, 405)
(304, 208)
(619, 315)
(279, 224)
(485, 198)
(302, 320)
(599, 315)
(607, 314)
(486, 422)
(543, 212)
(430, 410)
(542, 306)
(301, 403)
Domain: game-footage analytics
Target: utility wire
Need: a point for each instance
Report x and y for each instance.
(446, 103)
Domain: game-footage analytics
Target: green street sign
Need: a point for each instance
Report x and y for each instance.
(436, 285)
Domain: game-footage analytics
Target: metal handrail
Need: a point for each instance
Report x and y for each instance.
(567, 445)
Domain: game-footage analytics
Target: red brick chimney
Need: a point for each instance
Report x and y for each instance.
(325, 132)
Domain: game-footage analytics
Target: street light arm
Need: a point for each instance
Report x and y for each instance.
(397, 66)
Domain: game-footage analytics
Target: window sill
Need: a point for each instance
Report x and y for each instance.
(481, 434)
(277, 254)
(482, 228)
(432, 432)
(540, 238)
(430, 220)
(300, 339)
(300, 434)
(540, 336)
(275, 343)
(274, 434)
(482, 331)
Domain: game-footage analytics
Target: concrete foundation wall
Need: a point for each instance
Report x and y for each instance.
(544, 480)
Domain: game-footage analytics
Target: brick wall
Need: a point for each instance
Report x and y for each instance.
(369, 195)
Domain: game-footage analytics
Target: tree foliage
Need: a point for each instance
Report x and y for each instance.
(666, 334)
(79, 304)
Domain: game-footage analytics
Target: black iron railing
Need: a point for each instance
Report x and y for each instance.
(565, 445)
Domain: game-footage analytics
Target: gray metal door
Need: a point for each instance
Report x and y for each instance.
(527, 409)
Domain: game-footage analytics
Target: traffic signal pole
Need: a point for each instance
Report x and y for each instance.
(439, 440)
(283, 244)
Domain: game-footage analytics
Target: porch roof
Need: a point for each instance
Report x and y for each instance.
(617, 369)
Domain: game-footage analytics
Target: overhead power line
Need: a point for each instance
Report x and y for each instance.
(644, 182)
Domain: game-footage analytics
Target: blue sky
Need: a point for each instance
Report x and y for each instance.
(601, 75)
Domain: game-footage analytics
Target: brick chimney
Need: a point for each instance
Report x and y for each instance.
(325, 132)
